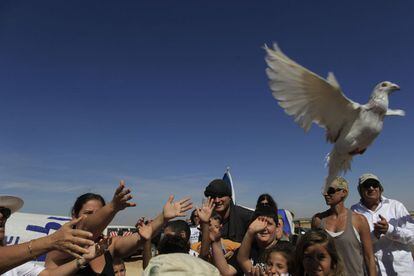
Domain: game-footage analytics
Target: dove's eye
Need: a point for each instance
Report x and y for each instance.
(384, 84)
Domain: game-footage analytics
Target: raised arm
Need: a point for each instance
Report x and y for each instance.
(145, 231)
(98, 221)
(66, 239)
(204, 213)
(218, 255)
(243, 257)
(171, 210)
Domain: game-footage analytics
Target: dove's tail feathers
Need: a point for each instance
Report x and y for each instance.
(338, 164)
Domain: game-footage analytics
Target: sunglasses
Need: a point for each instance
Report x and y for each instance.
(332, 190)
(6, 212)
(367, 184)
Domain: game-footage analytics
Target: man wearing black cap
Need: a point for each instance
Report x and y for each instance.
(235, 218)
(392, 228)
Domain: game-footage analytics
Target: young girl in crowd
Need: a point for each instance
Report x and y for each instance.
(316, 255)
(279, 260)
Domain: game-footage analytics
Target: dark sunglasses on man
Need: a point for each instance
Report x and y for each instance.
(370, 183)
(6, 212)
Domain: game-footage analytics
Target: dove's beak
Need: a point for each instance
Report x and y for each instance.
(393, 88)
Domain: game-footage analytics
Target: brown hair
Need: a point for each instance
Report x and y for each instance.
(318, 237)
(286, 249)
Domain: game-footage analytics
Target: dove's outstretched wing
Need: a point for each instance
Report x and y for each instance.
(308, 97)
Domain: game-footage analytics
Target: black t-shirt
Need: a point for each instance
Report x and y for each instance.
(255, 254)
(235, 226)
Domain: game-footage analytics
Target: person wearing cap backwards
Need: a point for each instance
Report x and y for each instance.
(349, 230)
(14, 259)
(235, 218)
(391, 226)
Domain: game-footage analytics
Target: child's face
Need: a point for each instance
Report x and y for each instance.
(276, 264)
(215, 223)
(279, 229)
(317, 261)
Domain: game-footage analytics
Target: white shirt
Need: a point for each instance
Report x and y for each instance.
(392, 250)
(26, 269)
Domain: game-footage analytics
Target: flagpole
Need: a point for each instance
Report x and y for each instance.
(227, 173)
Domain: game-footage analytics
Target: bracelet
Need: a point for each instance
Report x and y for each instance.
(29, 246)
(79, 265)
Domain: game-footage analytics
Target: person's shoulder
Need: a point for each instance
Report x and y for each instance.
(320, 215)
(358, 217)
(393, 204)
(317, 219)
(243, 210)
(391, 201)
(356, 206)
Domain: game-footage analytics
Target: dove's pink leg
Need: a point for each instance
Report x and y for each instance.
(357, 151)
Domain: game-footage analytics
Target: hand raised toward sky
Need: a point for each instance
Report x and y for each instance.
(176, 209)
(122, 197)
(204, 213)
(144, 229)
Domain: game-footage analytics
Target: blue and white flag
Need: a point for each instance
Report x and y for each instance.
(227, 178)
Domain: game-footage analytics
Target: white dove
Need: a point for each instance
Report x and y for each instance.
(309, 98)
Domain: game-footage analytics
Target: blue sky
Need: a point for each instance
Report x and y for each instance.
(166, 94)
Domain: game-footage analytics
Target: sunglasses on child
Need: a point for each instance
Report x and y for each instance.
(6, 212)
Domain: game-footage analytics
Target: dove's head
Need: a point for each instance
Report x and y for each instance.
(385, 87)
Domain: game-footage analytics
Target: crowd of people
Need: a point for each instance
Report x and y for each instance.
(373, 237)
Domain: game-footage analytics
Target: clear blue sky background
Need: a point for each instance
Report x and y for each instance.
(166, 94)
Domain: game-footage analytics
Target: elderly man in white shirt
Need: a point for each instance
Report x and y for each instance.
(392, 227)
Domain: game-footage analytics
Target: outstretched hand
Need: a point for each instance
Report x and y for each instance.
(176, 209)
(122, 197)
(144, 229)
(97, 249)
(71, 241)
(204, 213)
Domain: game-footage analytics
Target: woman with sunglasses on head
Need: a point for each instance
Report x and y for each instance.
(349, 230)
